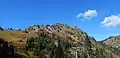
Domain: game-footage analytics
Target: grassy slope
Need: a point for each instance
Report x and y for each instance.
(15, 37)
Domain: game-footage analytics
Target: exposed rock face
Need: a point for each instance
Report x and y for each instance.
(59, 30)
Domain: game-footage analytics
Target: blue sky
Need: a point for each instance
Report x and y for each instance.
(23, 13)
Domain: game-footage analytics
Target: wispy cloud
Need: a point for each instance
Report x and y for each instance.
(87, 15)
(111, 21)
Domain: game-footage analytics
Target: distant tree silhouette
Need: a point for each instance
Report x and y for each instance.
(1, 28)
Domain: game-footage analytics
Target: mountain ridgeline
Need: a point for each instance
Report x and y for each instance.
(56, 41)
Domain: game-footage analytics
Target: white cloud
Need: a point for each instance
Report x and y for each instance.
(87, 15)
(111, 21)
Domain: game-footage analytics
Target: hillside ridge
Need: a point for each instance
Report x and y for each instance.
(57, 41)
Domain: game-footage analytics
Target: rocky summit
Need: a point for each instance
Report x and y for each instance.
(55, 41)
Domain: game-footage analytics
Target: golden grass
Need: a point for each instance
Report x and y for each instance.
(13, 36)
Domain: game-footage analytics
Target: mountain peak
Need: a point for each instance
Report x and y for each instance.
(60, 30)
